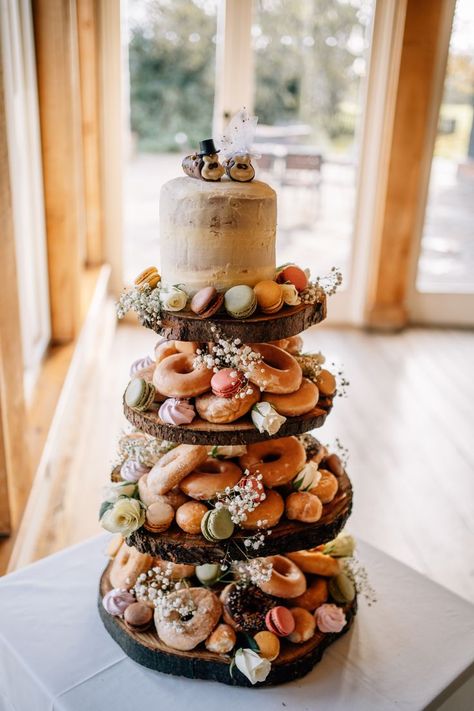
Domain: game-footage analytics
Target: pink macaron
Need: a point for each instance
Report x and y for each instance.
(280, 621)
(227, 382)
(294, 275)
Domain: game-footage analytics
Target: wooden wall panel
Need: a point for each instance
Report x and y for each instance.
(55, 23)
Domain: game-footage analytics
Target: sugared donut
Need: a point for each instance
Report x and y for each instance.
(277, 460)
(177, 571)
(300, 402)
(327, 487)
(175, 497)
(315, 562)
(176, 377)
(303, 506)
(286, 581)
(315, 595)
(127, 565)
(277, 372)
(222, 410)
(164, 349)
(210, 477)
(176, 464)
(267, 514)
(244, 608)
(190, 515)
(185, 634)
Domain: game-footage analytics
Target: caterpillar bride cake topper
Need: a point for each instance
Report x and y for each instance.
(236, 145)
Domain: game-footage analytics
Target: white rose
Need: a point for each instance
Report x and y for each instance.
(113, 492)
(124, 517)
(254, 667)
(266, 418)
(307, 478)
(290, 295)
(173, 299)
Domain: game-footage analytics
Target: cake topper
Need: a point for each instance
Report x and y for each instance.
(236, 144)
(205, 164)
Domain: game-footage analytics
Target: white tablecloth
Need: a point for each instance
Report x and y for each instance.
(413, 649)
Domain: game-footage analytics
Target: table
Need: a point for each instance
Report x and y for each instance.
(413, 649)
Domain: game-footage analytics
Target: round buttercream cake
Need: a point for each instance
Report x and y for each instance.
(216, 233)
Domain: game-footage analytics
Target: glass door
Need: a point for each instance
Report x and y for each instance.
(444, 283)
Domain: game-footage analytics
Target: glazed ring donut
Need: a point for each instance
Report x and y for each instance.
(277, 460)
(221, 410)
(175, 497)
(165, 348)
(244, 608)
(300, 402)
(171, 469)
(178, 570)
(208, 478)
(278, 372)
(287, 580)
(188, 633)
(176, 377)
(327, 487)
(315, 562)
(267, 514)
(127, 565)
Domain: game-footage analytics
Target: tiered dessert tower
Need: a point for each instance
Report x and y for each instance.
(229, 565)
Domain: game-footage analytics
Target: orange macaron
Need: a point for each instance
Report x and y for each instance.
(269, 296)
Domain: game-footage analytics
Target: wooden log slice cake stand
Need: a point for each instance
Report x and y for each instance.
(242, 431)
(179, 547)
(292, 320)
(294, 661)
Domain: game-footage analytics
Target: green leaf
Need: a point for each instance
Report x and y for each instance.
(252, 643)
(105, 506)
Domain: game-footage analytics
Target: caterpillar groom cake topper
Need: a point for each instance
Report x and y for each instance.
(236, 145)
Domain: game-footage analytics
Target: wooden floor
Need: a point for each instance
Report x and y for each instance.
(408, 422)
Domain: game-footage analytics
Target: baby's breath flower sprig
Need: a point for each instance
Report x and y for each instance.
(354, 569)
(145, 301)
(342, 383)
(156, 586)
(311, 364)
(327, 285)
(341, 451)
(229, 353)
(251, 572)
(241, 498)
(145, 450)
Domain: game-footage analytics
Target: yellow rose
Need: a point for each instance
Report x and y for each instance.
(124, 517)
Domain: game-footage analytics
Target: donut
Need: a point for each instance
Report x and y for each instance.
(267, 514)
(292, 345)
(286, 581)
(303, 506)
(190, 515)
(277, 372)
(333, 464)
(315, 562)
(305, 625)
(178, 571)
(176, 377)
(327, 487)
(277, 460)
(164, 348)
(222, 640)
(300, 402)
(210, 477)
(171, 469)
(245, 608)
(127, 565)
(326, 382)
(186, 634)
(221, 410)
(175, 497)
(315, 595)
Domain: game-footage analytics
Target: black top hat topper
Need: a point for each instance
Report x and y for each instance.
(204, 165)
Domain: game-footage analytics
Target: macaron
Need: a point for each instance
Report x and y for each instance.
(280, 621)
(269, 296)
(159, 517)
(148, 276)
(294, 275)
(341, 588)
(240, 301)
(217, 525)
(268, 645)
(208, 574)
(207, 302)
(138, 616)
(139, 394)
(227, 382)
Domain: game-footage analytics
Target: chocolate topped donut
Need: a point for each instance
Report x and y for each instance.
(245, 607)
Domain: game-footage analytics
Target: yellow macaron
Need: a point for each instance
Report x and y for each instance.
(269, 296)
(268, 644)
(148, 276)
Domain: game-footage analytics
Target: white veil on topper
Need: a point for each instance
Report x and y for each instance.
(236, 146)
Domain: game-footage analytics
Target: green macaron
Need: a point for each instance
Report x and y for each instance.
(139, 394)
(240, 301)
(341, 588)
(217, 525)
(208, 573)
